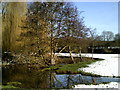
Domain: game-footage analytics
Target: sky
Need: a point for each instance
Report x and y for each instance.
(100, 15)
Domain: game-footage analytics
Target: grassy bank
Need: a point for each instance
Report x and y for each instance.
(8, 87)
(72, 68)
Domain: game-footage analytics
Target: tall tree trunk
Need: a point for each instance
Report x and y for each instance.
(70, 51)
(52, 41)
(52, 53)
(92, 52)
(52, 58)
(92, 49)
(80, 53)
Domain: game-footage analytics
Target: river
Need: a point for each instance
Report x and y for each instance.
(32, 78)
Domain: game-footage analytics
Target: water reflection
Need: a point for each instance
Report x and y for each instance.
(32, 78)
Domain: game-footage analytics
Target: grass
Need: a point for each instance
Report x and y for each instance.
(11, 85)
(8, 86)
(73, 68)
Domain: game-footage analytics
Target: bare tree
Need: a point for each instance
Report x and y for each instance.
(107, 35)
(117, 39)
(93, 37)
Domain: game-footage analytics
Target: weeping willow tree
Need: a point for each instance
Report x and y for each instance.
(12, 15)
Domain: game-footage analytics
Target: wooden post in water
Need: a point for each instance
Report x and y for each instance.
(93, 80)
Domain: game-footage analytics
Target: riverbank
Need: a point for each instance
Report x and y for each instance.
(109, 85)
(107, 67)
(66, 67)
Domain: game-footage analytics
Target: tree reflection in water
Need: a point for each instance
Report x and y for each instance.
(33, 78)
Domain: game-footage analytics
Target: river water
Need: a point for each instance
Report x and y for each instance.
(32, 78)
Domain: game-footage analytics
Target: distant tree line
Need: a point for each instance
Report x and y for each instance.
(107, 42)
